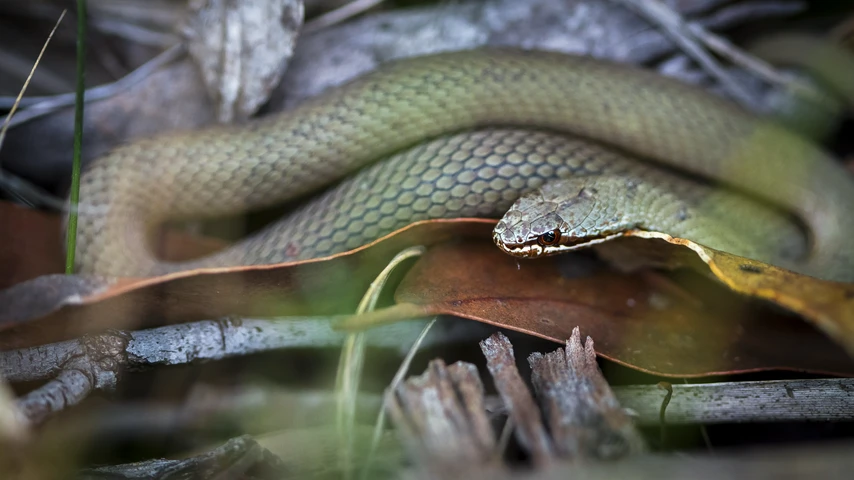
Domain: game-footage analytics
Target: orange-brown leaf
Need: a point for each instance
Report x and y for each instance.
(828, 305)
(634, 321)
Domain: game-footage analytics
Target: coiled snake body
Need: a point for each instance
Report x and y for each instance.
(465, 134)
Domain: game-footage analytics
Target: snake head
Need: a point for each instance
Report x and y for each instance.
(560, 216)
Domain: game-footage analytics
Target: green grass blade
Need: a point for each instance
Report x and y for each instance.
(71, 233)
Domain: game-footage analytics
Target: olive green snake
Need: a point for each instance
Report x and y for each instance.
(465, 134)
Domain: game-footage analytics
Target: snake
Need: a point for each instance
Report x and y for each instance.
(472, 133)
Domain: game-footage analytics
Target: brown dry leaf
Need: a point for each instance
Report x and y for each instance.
(242, 49)
(57, 307)
(635, 321)
(828, 305)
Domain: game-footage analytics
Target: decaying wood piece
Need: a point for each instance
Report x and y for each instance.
(441, 415)
(582, 412)
(441, 419)
(520, 405)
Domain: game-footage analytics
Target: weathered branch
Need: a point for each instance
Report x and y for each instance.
(96, 364)
(76, 368)
(738, 402)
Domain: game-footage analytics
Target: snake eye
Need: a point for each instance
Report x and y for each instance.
(549, 238)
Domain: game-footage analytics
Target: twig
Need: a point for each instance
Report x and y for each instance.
(725, 48)
(217, 340)
(340, 14)
(738, 402)
(135, 33)
(62, 364)
(679, 32)
(18, 65)
(824, 400)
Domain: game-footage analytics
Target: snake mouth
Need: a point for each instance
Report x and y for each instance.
(531, 248)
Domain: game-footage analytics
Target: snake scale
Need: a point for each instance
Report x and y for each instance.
(466, 134)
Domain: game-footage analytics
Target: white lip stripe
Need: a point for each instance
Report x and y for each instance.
(536, 250)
